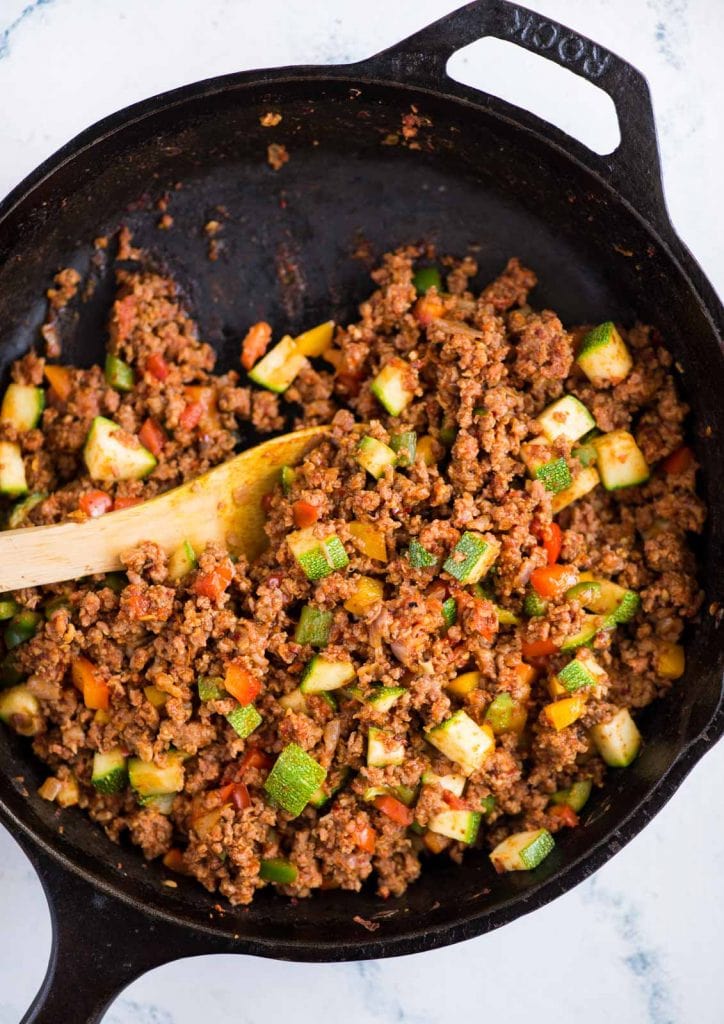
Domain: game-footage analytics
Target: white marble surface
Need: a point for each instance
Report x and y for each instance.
(640, 942)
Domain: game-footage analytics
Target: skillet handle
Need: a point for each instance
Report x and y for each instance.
(100, 945)
(633, 169)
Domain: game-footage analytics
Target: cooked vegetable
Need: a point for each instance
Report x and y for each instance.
(621, 462)
(8, 607)
(603, 356)
(318, 557)
(522, 851)
(374, 456)
(322, 674)
(583, 671)
(463, 741)
(155, 696)
(244, 719)
(542, 465)
(669, 660)
(22, 406)
(119, 375)
(211, 688)
(464, 684)
(505, 714)
(382, 698)
(449, 612)
(460, 825)
(370, 540)
(22, 509)
(19, 708)
(425, 278)
(278, 871)
(316, 340)
(426, 450)
(391, 386)
(21, 627)
(112, 454)
(567, 418)
(618, 741)
(280, 366)
(314, 626)
(453, 783)
(586, 480)
(552, 581)
(405, 447)
(12, 470)
(606, 598)
(383, 749)
(562, 713)
(288, 476)
(591, 625)
(182, 562)
(110, 771)
(241, 683)
(471, 558)
(419, 557)
(576, 796)
(149, 779)
(293, 779)
(367, 593)
(534, 605)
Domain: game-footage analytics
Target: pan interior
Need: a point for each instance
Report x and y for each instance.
(294, 249)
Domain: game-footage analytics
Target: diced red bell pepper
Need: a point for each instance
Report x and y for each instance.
(538, 648)
(304, 514)
(213, 584)
(60, 380)
(566, 814)
(551, 537)
(225, 792)
(126, 502)
(255, 758)
(174, 861)
(553, 581)
(191, 415)
(240, 683)
(157, 366)
(453, 801)
(678, 461)
(255, 343)
(207, 398)
(95, 503)
(394, 809)
(138, 603)
(240, 796)
(428, 308)
(152, 436)
(365, 838)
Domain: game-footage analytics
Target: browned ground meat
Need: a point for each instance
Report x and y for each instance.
(481, 368)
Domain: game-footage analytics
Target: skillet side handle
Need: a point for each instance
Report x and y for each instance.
(100, 945)
(633, 169)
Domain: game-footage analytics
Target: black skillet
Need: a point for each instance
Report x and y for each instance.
(597, 230)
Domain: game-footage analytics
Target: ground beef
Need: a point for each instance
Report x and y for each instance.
(480, 367)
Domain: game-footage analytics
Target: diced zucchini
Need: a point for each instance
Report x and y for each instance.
(244, 719)
(618, 741)
(585, 453)
(287, 477)
(314, 626)
(463, 741)
(19, 708)
(278, 871)
(505, 714)
(163, 803)
(374, 456)
(576, 796)
(604, 597)
(182, 562)
(110, 772)
(324, 794)
(534, 605)
(155, 696)
(280, 366)
(419, 557)
(12, 470)
(8, 607)
(487, 804)
(425, 278)
(322, 674)
(460, 825)
(584, 671)
(567, 418)
(21, 627)
(111, 454)
(464, 684)
(471, 558)
(316, 340)
(585, 591)
(383, 749)
(22, 406)
(505, 616)
(591, 625)
(119, 375)
(405, 447)
(447, 434)
(604, 357)
(317, 557)
(382, 698)
(211, 688)
(542, 465)
(149, 779)
(621, 462)
(293, 780)
(449, 612)
(22, 509)
(367, 593)
(452, 783)
(390, 386)
(294, 701)
(522, 851)
(586, 480)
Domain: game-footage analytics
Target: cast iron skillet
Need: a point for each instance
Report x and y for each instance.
(597, 231)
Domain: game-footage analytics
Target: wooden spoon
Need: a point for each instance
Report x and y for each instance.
(222, 505)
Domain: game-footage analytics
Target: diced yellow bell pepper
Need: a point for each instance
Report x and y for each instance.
(526, 674)
(155, 696)
(368, 592)
(464, 684)
(101, 717)
(670, 660)
(317, 340)
(563, 713)
(555, 688)
(426, 450)
(370, 540)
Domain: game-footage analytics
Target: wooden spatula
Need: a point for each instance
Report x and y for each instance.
(222, 505)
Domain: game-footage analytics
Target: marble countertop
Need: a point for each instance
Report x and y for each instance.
(640, 941)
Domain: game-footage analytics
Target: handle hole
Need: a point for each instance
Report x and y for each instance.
(529, 80)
